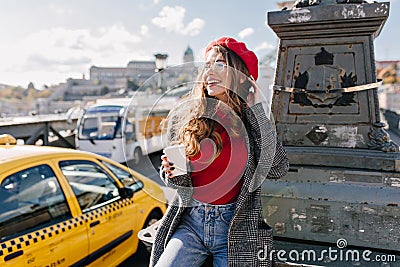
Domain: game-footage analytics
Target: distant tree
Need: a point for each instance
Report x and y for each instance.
(132, 85)
(104, 90)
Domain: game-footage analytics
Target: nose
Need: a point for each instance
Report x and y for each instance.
(208, 69)
(207, 74)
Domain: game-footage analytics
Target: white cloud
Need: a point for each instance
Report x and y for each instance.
(194, 27)
(245, 32)
(171, 19)
(60, 50)
(144, 30)
(264, 46)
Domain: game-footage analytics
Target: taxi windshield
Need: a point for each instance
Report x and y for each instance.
(101, 123)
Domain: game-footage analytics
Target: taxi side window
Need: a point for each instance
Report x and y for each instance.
(92, 186)
(126, 178)
(29, 200)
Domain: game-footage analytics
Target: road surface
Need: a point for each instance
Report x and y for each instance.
(148, 167)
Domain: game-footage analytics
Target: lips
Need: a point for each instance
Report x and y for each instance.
(212, 82)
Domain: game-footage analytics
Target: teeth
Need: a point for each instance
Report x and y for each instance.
(212, 81)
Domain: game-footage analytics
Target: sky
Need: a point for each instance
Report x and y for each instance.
(48, 41)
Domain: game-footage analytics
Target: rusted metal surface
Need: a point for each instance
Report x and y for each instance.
(368, 160)
(344, 179)
(324, 204)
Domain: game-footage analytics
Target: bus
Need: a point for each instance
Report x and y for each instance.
(122, 129)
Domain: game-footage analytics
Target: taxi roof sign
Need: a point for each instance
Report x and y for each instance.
(7, 139)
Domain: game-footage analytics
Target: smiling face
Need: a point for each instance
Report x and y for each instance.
(216, 75)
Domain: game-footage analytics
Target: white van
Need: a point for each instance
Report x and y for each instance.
(121, 129)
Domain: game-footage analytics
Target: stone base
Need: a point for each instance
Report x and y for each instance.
(344, 158)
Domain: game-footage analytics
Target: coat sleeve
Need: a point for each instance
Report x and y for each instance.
(269, 155)
(280, 165)
(178, 181)
(183, 185)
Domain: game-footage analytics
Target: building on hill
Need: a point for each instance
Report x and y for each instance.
(112, 80)
(136, 70)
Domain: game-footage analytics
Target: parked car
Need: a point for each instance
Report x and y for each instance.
(63, 207)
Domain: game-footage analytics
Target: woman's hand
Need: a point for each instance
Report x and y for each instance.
(255, 96)
(167, 167)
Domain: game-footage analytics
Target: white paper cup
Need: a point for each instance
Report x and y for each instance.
(177, 155)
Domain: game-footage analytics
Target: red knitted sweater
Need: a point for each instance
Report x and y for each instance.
(218, 182)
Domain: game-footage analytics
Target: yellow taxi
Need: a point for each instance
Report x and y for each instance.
(63, 207)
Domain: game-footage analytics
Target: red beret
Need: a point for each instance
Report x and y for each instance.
(248, 57)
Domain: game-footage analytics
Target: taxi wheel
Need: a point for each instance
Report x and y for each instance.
(153, 217)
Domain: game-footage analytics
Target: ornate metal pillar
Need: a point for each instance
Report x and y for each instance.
(345, 172)
(325, 82)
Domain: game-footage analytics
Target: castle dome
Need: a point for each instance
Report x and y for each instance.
(188, 55)
(188, 51)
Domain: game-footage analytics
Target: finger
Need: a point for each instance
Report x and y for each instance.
(250, 98)
(253, 81)
(165, 164)
(168, 169)
(165, 171)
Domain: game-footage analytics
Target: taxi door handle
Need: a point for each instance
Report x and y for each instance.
(93, 224)
(13, 255)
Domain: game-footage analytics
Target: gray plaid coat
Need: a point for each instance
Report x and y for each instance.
(249, 237)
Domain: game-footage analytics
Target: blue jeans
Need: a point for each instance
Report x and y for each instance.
(203, 231)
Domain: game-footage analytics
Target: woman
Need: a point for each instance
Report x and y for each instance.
(231, 148)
